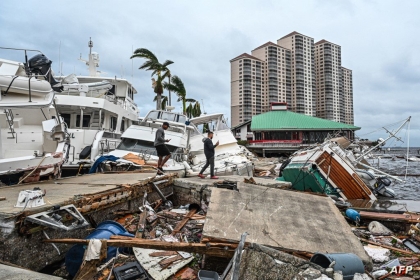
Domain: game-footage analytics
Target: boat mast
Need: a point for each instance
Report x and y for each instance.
(392, 134)
(93, 61)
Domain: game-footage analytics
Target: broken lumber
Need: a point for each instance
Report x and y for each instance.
(163, 254)
(208, 249)
(182, 223)
(2, 198)
(169, 261)
(377, 216)
(391, 248)
(142, 224)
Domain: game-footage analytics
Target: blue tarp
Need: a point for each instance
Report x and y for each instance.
(100, 160)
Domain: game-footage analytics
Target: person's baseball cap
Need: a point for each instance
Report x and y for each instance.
(166, 123)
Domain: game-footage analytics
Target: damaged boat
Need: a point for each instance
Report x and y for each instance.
(34, 140)
(186, 146)
(332, 169)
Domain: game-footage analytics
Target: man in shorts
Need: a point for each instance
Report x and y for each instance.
(162, 151)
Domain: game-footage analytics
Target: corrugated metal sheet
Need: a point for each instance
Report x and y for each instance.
(288, 120)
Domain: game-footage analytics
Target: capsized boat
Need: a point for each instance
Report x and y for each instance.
(327, 169)
(333, 170)
(34, 142)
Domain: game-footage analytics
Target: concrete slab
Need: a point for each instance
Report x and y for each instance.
(14, 273)
(198, 183)
(58, 191)
(280, 218)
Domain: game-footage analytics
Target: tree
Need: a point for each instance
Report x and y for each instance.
(193, 111)
(178, 87)
(164, 101)
(160, 70)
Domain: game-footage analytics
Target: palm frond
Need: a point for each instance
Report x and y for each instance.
(148, 65)
(190, 100)
(166, 63)
(178, 83)
(144, 53)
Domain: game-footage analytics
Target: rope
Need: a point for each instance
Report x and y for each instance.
(31, 171)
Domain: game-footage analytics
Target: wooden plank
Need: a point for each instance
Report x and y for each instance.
(406, 218)
(168, 261)
(163, 254)
(182, 223)
(199, 248)
(142, 224)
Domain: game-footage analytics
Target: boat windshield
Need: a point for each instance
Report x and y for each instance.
(140, 146)
(166, 116)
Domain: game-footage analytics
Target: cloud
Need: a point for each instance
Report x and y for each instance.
(378, 38)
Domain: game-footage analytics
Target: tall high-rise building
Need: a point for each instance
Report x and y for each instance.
(276, 73)
(247, 97)
(328, 81)
(347, 82)
(308, 76)
(303, 99)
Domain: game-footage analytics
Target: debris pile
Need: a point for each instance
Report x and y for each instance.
(393, 244)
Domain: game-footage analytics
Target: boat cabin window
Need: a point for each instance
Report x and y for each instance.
(112, 90)
(86, 120)
(66, 118)
(113, 123)
(182, 119)
(153, 115)
(122, 125)
(130, 93)
(140, 146)
(167, 116)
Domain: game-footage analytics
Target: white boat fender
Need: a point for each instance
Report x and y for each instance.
(186, 165)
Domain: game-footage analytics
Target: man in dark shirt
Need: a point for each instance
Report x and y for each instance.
(209, 152)
(161, 149)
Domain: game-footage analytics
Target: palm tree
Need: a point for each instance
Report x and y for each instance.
(159, 69)
(164, 100)
(193, 111)
(178, 87)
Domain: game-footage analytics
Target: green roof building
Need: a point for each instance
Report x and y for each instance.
(280, 130)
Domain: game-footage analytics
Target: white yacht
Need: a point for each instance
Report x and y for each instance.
(97, 111)
(186, 145)
(34, 142)
(138, 140)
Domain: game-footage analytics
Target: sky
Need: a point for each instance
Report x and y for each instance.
(377, 37)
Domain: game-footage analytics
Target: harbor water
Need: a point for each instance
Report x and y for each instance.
(394, 162)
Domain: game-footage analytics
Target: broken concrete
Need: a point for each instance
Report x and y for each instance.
(14, 273)
(258, 260)
(280, 218)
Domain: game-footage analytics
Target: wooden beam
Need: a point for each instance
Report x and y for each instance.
(182, 223)
(142, 224)
(199, 248)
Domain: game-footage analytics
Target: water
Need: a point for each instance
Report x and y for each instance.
(410, 189)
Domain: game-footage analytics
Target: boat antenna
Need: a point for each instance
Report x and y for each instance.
(59, 57)
(408, 150)
(204, 110)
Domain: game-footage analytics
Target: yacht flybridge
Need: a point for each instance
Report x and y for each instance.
(34, 142)
(97, 110)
